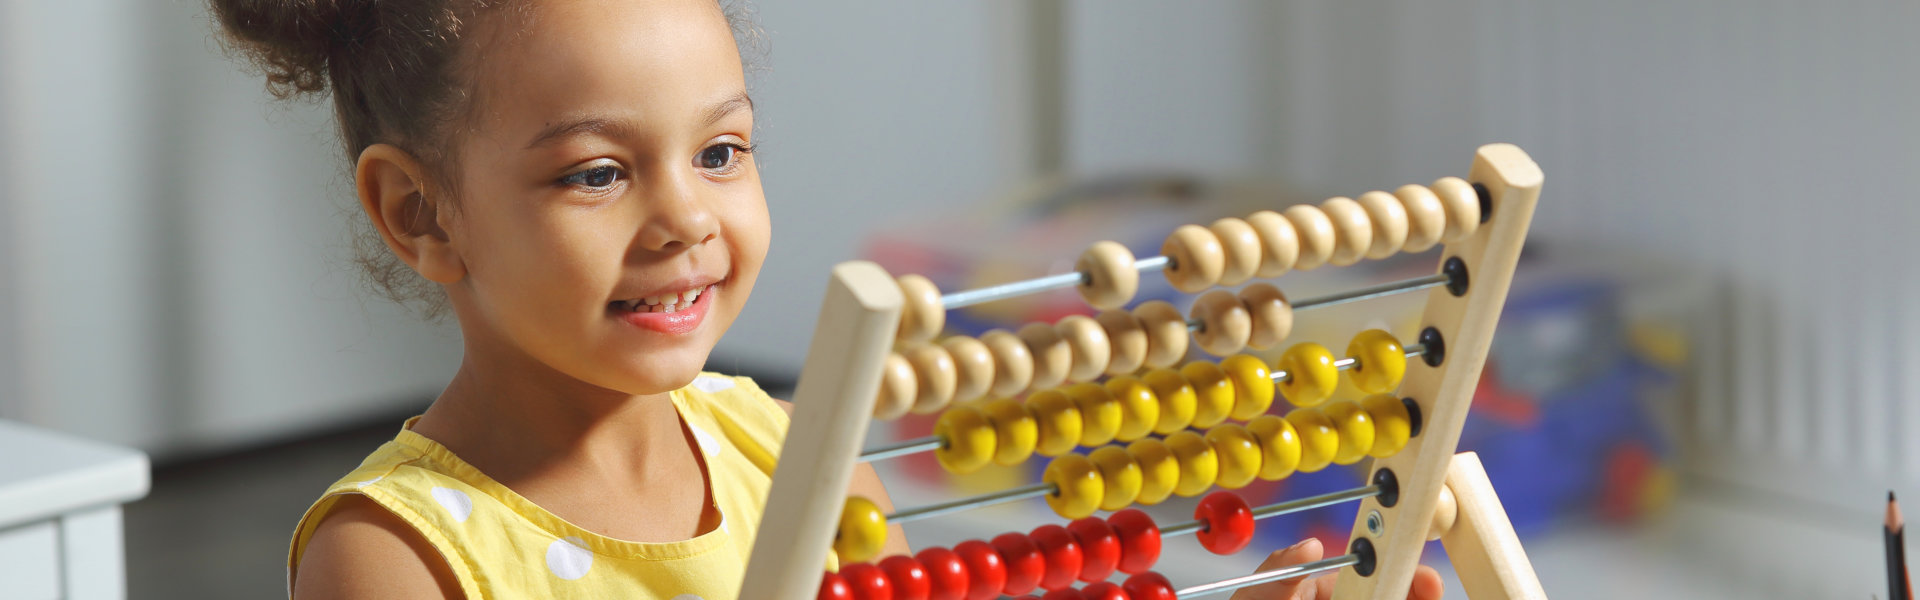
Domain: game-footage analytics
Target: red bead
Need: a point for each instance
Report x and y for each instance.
(1139, 540)
(1099, 548)
(1061, 594)
(1062, 553)
(986, 573)
(1103, 591)
(1025, 564)
(1148, 586)
(835, 587)
(1226, 523)
(909, 578)
(946, 573)
(869, 582)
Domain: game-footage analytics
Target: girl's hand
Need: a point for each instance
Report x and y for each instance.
(1426, 581)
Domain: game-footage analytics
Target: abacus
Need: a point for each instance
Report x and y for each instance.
(1155, 427)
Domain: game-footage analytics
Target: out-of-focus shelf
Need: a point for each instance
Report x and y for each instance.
(60, 497)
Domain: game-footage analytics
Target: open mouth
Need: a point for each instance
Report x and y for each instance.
(669, 303)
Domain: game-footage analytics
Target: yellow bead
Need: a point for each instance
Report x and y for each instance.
(1252, 386)
(1177, 399)
(1139, 409)
(1159, 472)
(1057, 421)
(1318, 439)
(1355, 428)
(863, 530)
(1238, 453)
(1014, 431)
(966, 437)
(1120, 473)
(1199, 466)
(1213, 393)
(1100, 413)
(1077, 486)
(1392, 424)
(1381, 362)
(1279, 446)
(1311, 375)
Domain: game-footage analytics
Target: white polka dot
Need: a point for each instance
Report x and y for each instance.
(707, 443)
(710, 384)
(723, 524)
(455, 501)
(369, 481)
(688, 597)
(567, 559)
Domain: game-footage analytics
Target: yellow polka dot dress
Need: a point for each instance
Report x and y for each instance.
(500, 545)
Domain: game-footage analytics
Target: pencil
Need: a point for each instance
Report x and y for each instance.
(1898, 586)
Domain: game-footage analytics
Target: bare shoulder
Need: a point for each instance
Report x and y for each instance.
(360, 550)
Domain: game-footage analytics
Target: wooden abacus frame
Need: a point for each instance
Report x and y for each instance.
(1440, 494)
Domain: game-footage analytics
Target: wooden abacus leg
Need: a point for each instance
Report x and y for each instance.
(1481, 544)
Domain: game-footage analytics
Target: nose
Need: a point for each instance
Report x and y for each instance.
(677, 216)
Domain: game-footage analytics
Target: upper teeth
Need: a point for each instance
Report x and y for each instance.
(682, 298)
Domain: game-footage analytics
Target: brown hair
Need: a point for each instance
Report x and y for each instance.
(394, 69)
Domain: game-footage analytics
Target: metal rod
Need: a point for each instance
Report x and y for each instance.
(1348, 362)
(1036, 285)
(1000, 497)
(1299, 570)
(1384, 289)
(913, 446)
(1282, 508)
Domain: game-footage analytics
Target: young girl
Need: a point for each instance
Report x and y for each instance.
(575, 182)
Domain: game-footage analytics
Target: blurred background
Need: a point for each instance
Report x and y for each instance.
(1701, 388)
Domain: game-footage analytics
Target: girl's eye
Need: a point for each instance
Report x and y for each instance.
(597, 177)
(719, 156)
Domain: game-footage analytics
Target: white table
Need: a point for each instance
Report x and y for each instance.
(60, 497)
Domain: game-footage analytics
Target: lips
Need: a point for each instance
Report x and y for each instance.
(674, 313)
(667, 303)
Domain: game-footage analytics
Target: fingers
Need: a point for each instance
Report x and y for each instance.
(1426, 584)
(1308, 550)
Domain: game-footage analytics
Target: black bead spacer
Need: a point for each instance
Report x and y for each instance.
(1389, 488)
(1433, 348)
(1486, 201)
(1413, 417)
(1362, 549)
(1456, 272)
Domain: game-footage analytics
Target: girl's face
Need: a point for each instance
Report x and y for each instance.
(611, 221)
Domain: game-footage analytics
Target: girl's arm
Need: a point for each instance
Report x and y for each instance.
(361, 551)
(867, 483)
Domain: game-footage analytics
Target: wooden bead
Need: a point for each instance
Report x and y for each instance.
(1121, 475)
(1057, 422)
(1148, 586)
(1166, 332)
(909, 577)
(868, 582)
(1077, 486)
(1379, 361)
(1099, 547)
(1225, 324)
(967, 439)
(1426, 219)
(1012, 362)
(1025, 565)
(1199, 466)
(1213, 394)
(1139, 409)
(898, 388)
(1315, 232)
(1272, 316)
(1252, 385)
(946, 573)
(1087, 342)
(1279, 244)
(1352, 231)
(1198, 260)
(1015, 432)
(1462, 206)
(1178, 402)
(1389, 219)
(1103, 590)
(1108, 277)
(1318, 439)
(1355, 428)
(1064, 558)
(936, 375)
(1279, 446)
(1392, 424)
(1159, 472)
(834, 586)
(863, 530)
(1127, 339)
(1242, 248)
(922, 316)
(986, 572)
(1228, 523)
(973, 367)
(1100, 414)
(1445, 512)
(1052, 357)
(1238, 452)
(1139, 540)
(1311, 376)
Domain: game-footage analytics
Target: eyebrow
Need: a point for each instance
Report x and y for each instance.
(616, 127)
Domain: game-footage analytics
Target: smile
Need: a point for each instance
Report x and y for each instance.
(676, 313)
(669, 303)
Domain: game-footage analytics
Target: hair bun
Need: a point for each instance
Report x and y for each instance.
(295, 41)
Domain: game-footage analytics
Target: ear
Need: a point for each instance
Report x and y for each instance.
(394, 194)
